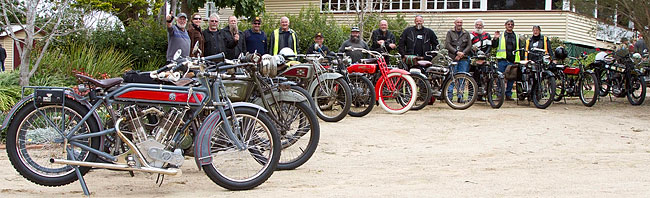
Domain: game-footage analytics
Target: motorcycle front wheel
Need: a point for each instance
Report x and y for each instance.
(636, 93)
(242, 169)
(332, 99)
(32, 140)
(589, 89)
(544, 92)
(363, 96)
(460, 93)
(560, 86)
(401, 97)
(424, 92)
(300, 140)
(496, 91)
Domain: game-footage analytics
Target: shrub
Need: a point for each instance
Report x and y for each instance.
(86, 59)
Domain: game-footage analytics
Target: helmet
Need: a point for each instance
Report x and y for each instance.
(269, 67)
(286, 52)
(560, 53)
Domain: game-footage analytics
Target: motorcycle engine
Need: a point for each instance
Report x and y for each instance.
(152, 130)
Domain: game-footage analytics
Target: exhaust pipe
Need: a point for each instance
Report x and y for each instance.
(171, 171)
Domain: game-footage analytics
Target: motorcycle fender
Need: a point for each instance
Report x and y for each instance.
(401, 71)
(466, 73)
(30, 97)
(323, 77)
(202, 140)
(416, 72)
(286, 96)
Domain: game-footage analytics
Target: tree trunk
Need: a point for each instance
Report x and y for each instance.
(185, 8)
(174, 6)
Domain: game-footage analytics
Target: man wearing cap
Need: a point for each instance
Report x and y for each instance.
(195, 35)
(538, 41)
(283, 37)
(255, 37)
(212, 36)
(417, 39)
(383, 39)
(507, 44)
(177, 37)
(231, 37)
(356, 42)
(318, 46)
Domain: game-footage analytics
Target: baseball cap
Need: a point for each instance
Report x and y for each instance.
(355, 29)
(257, 20)
(319, 35)
(181, 15)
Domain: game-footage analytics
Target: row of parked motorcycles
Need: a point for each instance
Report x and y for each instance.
(243, 119)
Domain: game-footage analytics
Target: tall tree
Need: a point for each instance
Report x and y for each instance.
(247, 8)
(48, 18)
(125, 10)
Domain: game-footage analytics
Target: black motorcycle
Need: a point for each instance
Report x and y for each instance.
(491, 82)
(576, 81)
(534, 80)
(619, 76)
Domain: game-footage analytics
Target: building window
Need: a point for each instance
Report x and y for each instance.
(442, 5)
(516, 5)
(376, 5)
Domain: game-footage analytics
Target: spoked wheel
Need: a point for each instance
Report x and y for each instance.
(544, 92)
(299, 133)
(604, 86)
(560, 86)
(242, 169)
(461, 92)
(401, 97)
(33, 139)
(636, 94)
(589, 89)
(363, 95)
(333, 99)
(424, 92)
(496, 91)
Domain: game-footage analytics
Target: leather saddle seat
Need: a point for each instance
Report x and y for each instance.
(424, 63)
(106, 83)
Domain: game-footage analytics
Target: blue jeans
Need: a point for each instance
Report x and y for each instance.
(462, 66)
(502, 68)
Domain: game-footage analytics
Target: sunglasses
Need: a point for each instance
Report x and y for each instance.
(256, 23)
(510, 24)
(197, 18)
(214, 21)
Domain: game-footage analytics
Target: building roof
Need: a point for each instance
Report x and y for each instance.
(14, 29)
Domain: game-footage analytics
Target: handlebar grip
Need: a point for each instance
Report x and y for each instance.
(216, 58)
(162, 69)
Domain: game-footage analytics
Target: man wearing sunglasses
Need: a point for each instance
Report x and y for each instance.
(195, 35)
(255, 37)
(177, 37)
(505, 46)
(213, 39)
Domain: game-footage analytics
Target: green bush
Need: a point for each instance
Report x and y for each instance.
(96, 62)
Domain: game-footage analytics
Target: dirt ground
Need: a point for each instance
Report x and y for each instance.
(567, 150)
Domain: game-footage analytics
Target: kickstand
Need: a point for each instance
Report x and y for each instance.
(84, 187)
(161, 179)
(610, 97)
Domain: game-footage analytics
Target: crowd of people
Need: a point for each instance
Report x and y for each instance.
(415, 40)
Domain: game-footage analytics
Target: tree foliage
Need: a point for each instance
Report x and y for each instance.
(635, 11)
(125, 10)
(246, 8)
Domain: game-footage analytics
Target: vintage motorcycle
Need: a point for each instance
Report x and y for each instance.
(55, 136)
(290, 111)
(619, 76)
(363, 90)
(576, 81)
(395, 89)
(331, 94)
(458, 89)
(534, 80)
(491, 82)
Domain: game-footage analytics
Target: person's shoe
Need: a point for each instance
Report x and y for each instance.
(460, 100)
(509, 98)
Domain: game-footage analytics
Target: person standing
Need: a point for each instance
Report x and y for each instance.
(480, 38)
(356, 42)
(538, 41)
(318, 46)
(283, 37)
(231, 37)
(195, 35)
(3, 56)
(212, 36)
(255, 38)
(458, 45)
(417, 40)
(177, 37)
(640, 46)
(507, 44)
(383, 39)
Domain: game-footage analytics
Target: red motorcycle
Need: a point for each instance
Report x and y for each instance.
(395, 89)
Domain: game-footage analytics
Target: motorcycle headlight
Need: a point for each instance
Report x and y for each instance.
(547, 59)
(270, 64)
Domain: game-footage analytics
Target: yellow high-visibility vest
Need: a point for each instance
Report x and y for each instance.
(528, 44)
(276, 41)
(501, 49)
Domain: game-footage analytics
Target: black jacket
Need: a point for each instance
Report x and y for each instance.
(377, 35)
(233, 48)
(324, 49)
(214, 43)
(411, 35)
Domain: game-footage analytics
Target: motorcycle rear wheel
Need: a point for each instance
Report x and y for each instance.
(300, 141)
(589, 89)
(543, 98)
(468, 92)
(496, 92)
(363, 96)
(424, 92)
(32, 142)
(332, 99)
(637, 92)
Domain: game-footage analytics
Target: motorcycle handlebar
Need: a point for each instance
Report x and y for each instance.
(215, 58)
